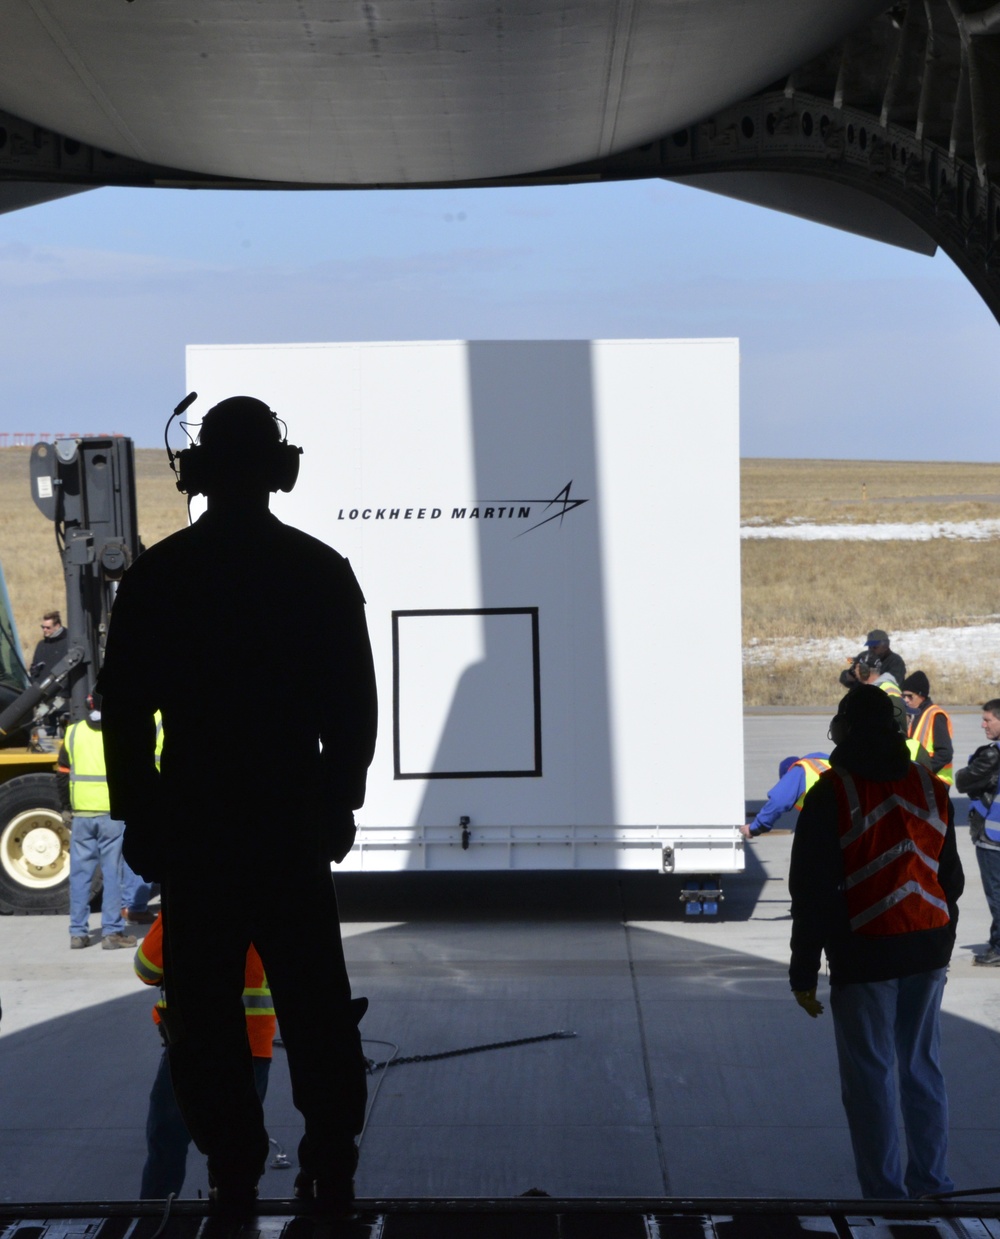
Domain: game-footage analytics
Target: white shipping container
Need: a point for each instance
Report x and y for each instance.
(547, 535)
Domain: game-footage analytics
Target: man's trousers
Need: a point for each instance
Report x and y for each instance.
(886, 1029)
(167, 1136)
(217, 899)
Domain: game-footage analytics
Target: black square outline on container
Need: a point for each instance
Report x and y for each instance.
(536, 772)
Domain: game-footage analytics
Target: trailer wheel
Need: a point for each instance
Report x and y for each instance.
(34, 847)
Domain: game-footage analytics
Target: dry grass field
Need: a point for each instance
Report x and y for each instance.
(795, 591)
(792, 591)
(835, 491)
(27, 540)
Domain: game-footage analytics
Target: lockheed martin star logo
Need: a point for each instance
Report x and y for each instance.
(555, 509)
(562, 502)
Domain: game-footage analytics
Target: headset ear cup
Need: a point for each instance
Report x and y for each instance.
(287, 471)
(191, 470)
(197, 471)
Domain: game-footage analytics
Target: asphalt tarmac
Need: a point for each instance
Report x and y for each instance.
(691, 1072)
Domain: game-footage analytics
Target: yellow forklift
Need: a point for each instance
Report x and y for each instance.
(86, 487)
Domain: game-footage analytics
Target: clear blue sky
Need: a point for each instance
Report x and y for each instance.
(849, 348)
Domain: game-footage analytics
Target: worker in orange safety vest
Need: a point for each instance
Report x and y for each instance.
(167, 1137)
(875, 880)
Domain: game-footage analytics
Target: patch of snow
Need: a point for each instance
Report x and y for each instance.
(975, 648)
(890, 531)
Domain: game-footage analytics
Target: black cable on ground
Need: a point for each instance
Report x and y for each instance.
(394, 1061)
(373, 1096)
(469, 1049)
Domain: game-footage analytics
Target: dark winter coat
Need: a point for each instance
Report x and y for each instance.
(819, 907)
(978, 780)
(47, 653)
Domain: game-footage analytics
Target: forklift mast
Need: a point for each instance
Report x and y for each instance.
(86, 487)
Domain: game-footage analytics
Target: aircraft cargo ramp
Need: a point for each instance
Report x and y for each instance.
(523, 1219)
(694, 1094)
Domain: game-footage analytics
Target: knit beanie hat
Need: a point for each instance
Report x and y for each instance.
(917, 683)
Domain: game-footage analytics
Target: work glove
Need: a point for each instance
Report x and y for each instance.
(341, 834)
(67, 817)
(806, 998)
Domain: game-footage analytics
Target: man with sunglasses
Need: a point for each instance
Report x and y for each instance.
(929, 725)
(52, 647)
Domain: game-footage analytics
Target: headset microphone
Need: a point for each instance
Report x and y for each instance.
(183, 407)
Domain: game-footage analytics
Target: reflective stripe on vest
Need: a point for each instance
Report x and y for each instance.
(812, 768)
(924, 734)
(88, 780)
(258, 1002)
(891, 845)
(146, 971)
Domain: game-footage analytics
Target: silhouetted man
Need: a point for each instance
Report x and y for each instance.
(241, 834)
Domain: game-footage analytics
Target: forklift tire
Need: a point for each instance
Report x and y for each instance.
(34, 847)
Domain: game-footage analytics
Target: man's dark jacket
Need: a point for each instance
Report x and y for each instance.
(47, 653)
(820, 919)
(978, 780)
(305, 733)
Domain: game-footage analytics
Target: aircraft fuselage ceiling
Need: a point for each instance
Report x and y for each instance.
(881, 120)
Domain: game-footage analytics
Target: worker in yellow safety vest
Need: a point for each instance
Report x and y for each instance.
(796, 776)
(929, 725)
(96, 838)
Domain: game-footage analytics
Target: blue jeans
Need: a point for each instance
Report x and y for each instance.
(989, 871)
(135, 890)
(167, 1139)
(95, 841)
(884, 1028)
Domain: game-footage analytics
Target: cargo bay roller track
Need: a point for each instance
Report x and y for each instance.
(890, 132)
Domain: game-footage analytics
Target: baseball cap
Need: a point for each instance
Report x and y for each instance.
(876, 637)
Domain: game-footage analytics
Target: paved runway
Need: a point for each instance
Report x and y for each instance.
(692, 1072)
(768, 736)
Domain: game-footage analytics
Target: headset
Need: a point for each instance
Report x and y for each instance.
(848, 719)
(198, 468)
